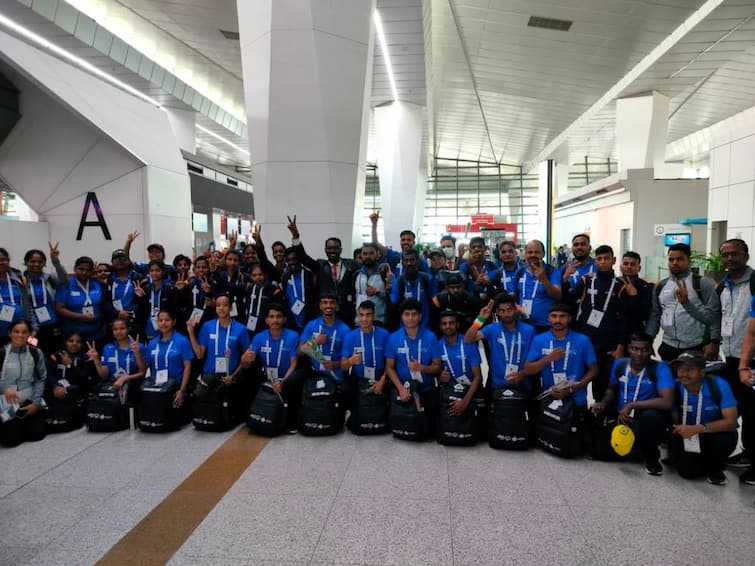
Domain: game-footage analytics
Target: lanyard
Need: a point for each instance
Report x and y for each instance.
(627, 373)
(10, 292)
(419, 351)
(268, 350)
(419, 287)
(566, 358)
(125, 290)
(217, 337)
(196, 293)
(167, 353)
(685, 405)
(88, 301)
(293, 281)
(32, 292)
(534, 289)
(594, 292)
(152, 298)
(252, 312)
(364, 358)
(463, 360)
(128, 361)
(332, 340)
(518, 338)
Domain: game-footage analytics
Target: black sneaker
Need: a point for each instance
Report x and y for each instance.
(748, 477)
(654, 468)
(740, 460)
(717, 478)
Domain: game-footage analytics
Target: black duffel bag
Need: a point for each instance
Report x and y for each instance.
(211, 407)
(456, 430)
(65, 414)
(558, 427)
(155, 412)
(268, 412)
(601, 428)
(409, 420)
(320, 413)
(370, 414)
(509, 421)
(105, 412)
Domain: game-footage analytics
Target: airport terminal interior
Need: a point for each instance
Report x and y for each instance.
(184, 183)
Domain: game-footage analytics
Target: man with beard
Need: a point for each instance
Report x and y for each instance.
(504, 278)
(413, 284)
(538, 286)
(479, 270)
(337, 277)
(582, 264)
(407, 240)
(461, 361)
(300, 281)
(455, 298)
(639, 293)
(370, 285)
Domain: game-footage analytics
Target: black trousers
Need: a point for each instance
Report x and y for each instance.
(669, 353)
(26, 429)
(745, 402)
(714, 449)
(602, 379)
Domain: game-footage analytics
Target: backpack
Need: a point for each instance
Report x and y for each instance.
(696, 286)
(558, 427)
(268, 412)
(370, 414)
(456, 430)
(409, 420)
(320, 413)
(720, 287)
(509, 420)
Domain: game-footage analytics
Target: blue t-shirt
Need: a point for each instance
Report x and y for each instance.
(10, 296)
(423, 289)
(580, 355)
(424, 348)
(169, 354)
(295, 292)
(752, 307)
(581, 271)
(235, 338)
(487, 266)
(76, 298)
(123, 292)
(332, 348)
(627, 382)
(517, 344)
(506, 280)
(41, 298)
(274, 353)
(459, 358)
(373, 349)
(529, 288)
(121, 361)
(710, 411)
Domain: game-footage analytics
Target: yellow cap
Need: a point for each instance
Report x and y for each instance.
(622, 439)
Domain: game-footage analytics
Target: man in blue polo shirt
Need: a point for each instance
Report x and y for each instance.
(538, 286)
(363, 350)
(461, 360)
(582, 265)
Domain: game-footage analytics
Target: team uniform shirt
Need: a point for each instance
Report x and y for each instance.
(424, 348)
(332, 349)
(506, 279)
(11, 304)
(122, 293)
(579, 353)
(394, 259)
(296, 295)
(216, 338)
(276, 354)
(710, 411)
(582, 270)
(372, 347)
(157, 298)
(471, 272)
(530, 289)
(120, 361)
(169, 355)
(82, 299)
(459, 359)
(639, 387)
(508, 351)
(422, 289)
(42, 301)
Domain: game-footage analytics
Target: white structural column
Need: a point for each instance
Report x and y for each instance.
(184, 125)
(307, 67)
(403, 182)
(641, 125)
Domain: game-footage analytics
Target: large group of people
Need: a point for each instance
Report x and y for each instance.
(397, 330)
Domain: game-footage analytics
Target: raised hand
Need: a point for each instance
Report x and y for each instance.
(92, 354)
(257, 234)
(375, 217)
(487, 310)
(181, 281)
(232, 239)
(292, 227)
(54, 251)
(132, 236)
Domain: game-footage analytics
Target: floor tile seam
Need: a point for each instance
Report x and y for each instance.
(332, 506)
(59, 464)
(450, 514)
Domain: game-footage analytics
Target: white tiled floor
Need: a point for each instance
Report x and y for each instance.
(377, 501)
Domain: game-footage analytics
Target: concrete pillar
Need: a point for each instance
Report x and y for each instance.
(403, 180)
(307, 67)
(183, 123)
(641, 125)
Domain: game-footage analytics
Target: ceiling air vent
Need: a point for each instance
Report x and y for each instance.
(234, 35)
(549, 23)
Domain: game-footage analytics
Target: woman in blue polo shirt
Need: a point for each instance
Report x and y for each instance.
(14, 299)
(123, 360)
(81, 303)
(42, 287)
(705, 421)
(169, 357)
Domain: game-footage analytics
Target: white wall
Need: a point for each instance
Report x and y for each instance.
(18, 237)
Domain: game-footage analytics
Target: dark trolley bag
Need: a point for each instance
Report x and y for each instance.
(320, 413)
(370, 414)
(155, 412)
(211, 409)
(456, 430)
(558, 430)
(268, 412)
(509, 421)
(409, 420)
(105, 411)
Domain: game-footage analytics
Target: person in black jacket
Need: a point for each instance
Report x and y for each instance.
(300, 283)
(155, 295)
(638, 291)
(337, 276)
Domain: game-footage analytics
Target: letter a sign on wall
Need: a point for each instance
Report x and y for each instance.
(92, 200)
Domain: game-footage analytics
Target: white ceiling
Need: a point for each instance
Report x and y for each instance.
(495, 88)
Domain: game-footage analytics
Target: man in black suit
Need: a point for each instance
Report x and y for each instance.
(337, 276)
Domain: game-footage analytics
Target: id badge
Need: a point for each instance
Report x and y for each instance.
(692, 444)
(251, 324)
(42, 314)
(527, 307)
(297, 307)
(221, 365)
(161, 376)
(272, 374)
(87, 310)
(667, 317)
(417, 376)
(64, 383)
(196, 315)
(320, 384)
(369, 374)
(511, 368)
(727, 327)
(7, 312)
(463, 379)
(595, 318)
(234, 310)
(118, 304)
(559, 377)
